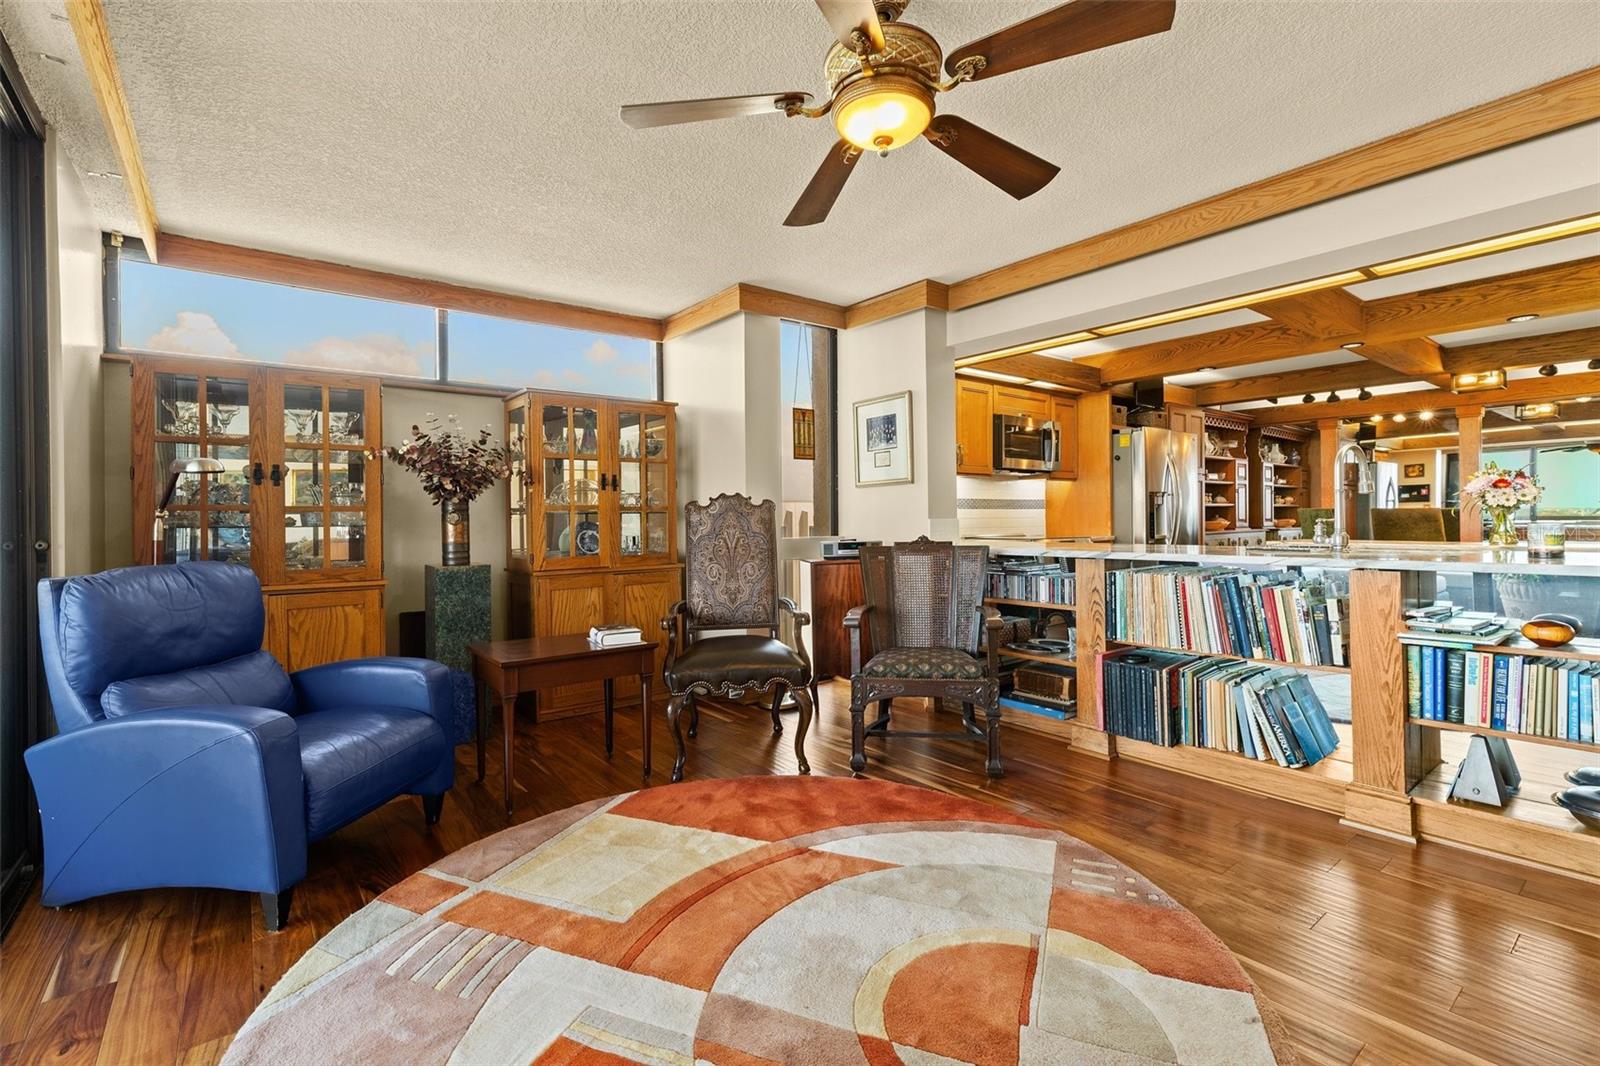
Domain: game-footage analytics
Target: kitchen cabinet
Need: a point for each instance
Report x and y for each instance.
(1026, 402)
(1065, 416)
(974, 428)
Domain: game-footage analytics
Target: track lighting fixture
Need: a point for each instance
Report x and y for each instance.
(1308, 398)
(1548, 370)
(1594, 364)
(1333, 397)
(1273, 400)
(1364, 394)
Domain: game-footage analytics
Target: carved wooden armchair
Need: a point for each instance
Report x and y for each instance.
(731, 579)
(925, 608)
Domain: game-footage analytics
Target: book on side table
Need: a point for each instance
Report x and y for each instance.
(614, 635)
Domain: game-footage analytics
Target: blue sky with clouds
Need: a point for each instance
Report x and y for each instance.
(171, 310)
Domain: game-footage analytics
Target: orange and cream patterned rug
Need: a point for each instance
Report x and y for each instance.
(761, 920)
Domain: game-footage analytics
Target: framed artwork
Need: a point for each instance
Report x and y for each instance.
(1415, 493)
(883, 440)
(805, 433)
(1414, 470)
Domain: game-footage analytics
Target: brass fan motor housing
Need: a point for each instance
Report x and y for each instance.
(907, 50)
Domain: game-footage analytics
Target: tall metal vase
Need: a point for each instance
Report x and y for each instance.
(456, 538)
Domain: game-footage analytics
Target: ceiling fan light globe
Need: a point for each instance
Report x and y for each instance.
(883, 114)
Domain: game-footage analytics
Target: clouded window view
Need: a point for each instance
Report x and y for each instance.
(186, 312)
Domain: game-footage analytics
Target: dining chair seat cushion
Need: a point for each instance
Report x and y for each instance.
(737, 660)
(925, 664)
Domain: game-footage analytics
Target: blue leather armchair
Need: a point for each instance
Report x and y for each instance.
(186, 756)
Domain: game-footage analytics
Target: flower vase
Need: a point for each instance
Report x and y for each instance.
(455, 533)
(1502, 532)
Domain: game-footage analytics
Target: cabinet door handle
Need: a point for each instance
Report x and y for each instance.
(960, 458)
(255, 474)
(277, 475)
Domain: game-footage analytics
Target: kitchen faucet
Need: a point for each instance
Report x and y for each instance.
(1341, 533)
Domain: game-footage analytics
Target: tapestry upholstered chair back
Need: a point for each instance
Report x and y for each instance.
(731, 563)
(924, 594)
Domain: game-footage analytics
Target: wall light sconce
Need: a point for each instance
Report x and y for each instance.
(1524, 411)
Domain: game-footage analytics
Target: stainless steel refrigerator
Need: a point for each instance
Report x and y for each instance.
(1155, 486)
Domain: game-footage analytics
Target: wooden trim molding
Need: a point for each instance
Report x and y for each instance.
(757, 301)
(1546, 108)
(1036, 367)
(194, 254)
(88, 19)
(918, 295)
(1522, 390)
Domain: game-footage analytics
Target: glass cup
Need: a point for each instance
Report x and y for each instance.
(1547, 538)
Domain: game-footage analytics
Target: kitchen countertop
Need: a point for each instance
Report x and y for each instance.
(1363, 555)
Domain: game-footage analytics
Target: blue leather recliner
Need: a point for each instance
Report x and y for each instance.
(186, 756)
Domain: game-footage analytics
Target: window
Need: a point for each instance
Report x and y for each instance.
(503, 351)
(170, 310)
(1569, 473)
(805, 429)
(187, 312)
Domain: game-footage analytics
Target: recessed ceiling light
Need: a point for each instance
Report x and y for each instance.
(1352, 345)
(1207, 368)
(1522, 318)
(1426, 416)
(1583, 399)
(1399, 418)
(1548, 370)
(1376, 419)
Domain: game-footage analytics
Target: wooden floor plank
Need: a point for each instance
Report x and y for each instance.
(1362, 945)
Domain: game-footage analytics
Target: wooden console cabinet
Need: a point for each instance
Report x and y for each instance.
(299, 501)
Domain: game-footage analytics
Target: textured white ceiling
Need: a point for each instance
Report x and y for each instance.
(480, 142)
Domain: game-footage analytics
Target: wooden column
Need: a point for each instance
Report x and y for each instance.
(1322, 488)
(1091, 624)
(1378, 798)
(1469, 423)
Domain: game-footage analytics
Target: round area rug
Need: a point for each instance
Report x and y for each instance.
(771, 919)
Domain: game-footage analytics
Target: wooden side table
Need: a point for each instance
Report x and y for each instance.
(512, 667)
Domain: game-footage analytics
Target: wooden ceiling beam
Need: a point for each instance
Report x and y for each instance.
(1499, 437)
(1562, 288)
(1037, 367)
(759, 301)
(1324, 313)
(1523, 390)
(1555, 105)
(1568, 346)
(918, 295)
(1336, 378)
(88, 20)
(193, 254)
(1416, 357)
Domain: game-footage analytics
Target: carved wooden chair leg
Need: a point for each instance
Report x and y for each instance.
(694, 716)
(882, 721)
(992, 712)
(816, 701)
(777, 704)
(674, 711)
(858, 737)
(802, 699)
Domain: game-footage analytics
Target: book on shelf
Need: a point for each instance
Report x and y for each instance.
(1444, 623)
(1543, 697)
(1269, 713)
(1229, 611)
(1033, 582)
(613, 635)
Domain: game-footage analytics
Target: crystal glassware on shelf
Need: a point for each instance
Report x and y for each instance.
(302, 423)
(344, 427)
(222, 416)
(183, 417)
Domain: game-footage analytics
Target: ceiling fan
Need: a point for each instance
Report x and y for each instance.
(883, 76)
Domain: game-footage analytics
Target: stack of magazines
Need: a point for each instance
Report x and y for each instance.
(613, 635)
(1444, 623)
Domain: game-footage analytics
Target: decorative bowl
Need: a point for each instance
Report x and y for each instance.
(1216, 525)
(1583, 803)
(1584, 775)
(1551, 630)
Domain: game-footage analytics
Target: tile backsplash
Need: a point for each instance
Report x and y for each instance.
(991, 506)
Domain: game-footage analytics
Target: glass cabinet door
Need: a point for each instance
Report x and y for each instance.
(517, 487)
(571, 530)
(195, 415)
(323, 496)
(644, 487)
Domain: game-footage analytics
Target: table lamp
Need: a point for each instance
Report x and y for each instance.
(179, 467)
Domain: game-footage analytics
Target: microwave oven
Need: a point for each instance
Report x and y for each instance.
(1024, 445)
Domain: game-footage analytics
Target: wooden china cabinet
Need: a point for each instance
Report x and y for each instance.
(299, 502)
(593, 525)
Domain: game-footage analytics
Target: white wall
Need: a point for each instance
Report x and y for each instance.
(906, 352)
(76, 340)
(725, 380)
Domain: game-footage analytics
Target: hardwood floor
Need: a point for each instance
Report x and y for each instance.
(1372, 952)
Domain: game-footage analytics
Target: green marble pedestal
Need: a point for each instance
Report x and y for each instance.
(457, 615)
(458, 612)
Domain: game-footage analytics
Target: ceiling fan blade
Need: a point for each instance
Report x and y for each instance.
(672, 112)
(995, 160)
(823, 189)
(1068, 30)
(847, 16)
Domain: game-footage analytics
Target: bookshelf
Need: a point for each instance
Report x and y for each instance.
(1045, 592)
(1224, 474)
(1314, 668)
(1532, 738)
(995, 601)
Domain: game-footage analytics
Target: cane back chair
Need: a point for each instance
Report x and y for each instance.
(926, 612)
(731, 583)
